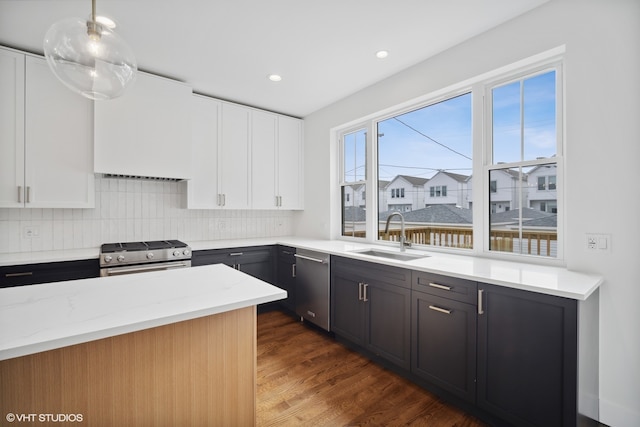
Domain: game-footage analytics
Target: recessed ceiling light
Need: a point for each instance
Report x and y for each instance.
(381, 54)
(275, 77)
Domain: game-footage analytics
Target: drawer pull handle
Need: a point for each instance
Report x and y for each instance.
(287, 252)
(440, 310)
(26, 273)
(436, 285)
(480, 305)
(236, 254)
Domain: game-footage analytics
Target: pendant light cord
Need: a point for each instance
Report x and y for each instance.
(93, 10)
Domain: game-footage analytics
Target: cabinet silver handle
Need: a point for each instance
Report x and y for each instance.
(219, 203)
(28, 194)
(359, 291)
(224, 200)
(321, 261)
(19, 193)
(365, 299)
(236, 254)
(436, 285)
(293, 270)
(23, 274)
(441, 310)
(238, 267)
(287, 252)
(480, 308)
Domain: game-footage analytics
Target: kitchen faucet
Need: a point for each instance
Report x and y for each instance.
(403, 239)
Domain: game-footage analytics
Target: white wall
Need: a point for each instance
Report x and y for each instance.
(602, 76)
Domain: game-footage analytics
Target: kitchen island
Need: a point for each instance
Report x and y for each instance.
(162, 348)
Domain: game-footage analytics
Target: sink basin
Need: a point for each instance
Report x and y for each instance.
(401, 256)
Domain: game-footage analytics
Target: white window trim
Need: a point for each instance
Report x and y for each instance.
(477, 86)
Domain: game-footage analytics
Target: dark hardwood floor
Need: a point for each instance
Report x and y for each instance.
(305, 378)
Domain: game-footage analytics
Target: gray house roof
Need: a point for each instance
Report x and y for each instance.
(414, 180)
(530, 217)
(437, 214)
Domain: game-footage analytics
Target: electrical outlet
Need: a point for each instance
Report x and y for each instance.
(30, 232)
(598, 242)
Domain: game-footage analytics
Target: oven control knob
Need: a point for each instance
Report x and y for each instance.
(177, 253)
(186, 252)
(120, 258)
(149, 255)
(108, 258)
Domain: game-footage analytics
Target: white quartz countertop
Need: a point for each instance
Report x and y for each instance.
(551, 280)
(42, 317)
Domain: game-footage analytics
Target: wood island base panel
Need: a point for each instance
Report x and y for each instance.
(192, 373)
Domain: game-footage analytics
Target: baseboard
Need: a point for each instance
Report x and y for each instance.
(615, 415)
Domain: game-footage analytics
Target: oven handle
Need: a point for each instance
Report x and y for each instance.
(139, 269)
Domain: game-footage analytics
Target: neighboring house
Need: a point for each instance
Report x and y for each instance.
(446, 188)
(382, 195)
(542, 192)
(503, 188)
(405, 193)
(354, 195)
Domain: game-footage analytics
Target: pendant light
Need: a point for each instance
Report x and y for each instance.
(89, 58)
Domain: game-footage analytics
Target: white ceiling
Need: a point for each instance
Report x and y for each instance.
(324, 49)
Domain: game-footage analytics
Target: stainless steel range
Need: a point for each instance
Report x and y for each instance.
(138, 257)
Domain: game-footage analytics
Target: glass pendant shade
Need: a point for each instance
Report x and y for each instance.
(89, 58)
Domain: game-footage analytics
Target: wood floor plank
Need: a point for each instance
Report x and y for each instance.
(305, 378)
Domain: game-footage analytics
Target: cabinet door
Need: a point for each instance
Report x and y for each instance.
(289, 164)
(263, 164)
(234, 160)
(146, 131)
(286, 276)
(202, 188)
(258, 263)
(11, 128)
(388, 322)
(347, 309)
(527, 357)
(58, 142)
(444, 343)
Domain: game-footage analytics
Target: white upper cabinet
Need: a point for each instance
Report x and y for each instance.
(277, 161)
(234, 157)
(290, 162)
(264, 154)
(11, 128)
(147, 131)
(202, 188)
(243, 158)
(47, 138)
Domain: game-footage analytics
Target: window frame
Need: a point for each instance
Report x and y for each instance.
(479, 87)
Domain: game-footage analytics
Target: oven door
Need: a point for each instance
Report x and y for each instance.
(132, 269)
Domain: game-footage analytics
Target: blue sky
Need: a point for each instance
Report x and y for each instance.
(439, 136)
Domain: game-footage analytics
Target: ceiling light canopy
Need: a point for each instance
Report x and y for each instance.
(89, 58)
(274, 77)
(381, 54)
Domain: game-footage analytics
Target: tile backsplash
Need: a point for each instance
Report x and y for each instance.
(132, 210)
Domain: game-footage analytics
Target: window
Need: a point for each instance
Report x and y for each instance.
(420, 163)
(429, 143)
(353, 176)
(524, 146)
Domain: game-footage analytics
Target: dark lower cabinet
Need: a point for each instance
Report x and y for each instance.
(444, 343)
(31, 274)
(527, 357)
(286, 275)
(370, 309)
(256, 261)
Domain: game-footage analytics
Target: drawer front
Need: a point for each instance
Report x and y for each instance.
(32, 274)
(364, 270)
(232, 256)
(286, 253)
(446, 287)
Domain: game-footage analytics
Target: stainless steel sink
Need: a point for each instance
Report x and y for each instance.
(391, 255)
